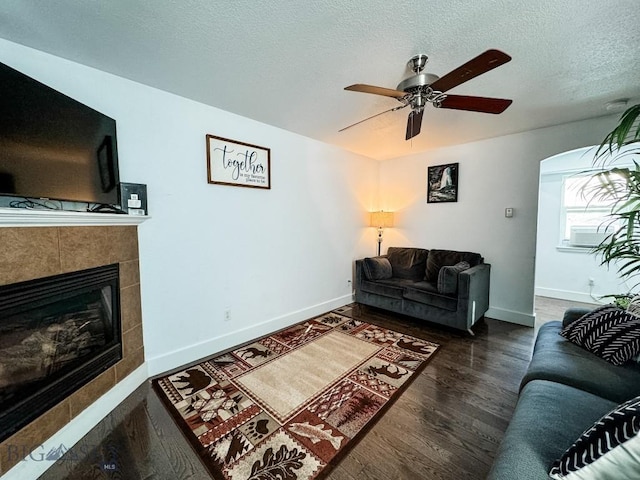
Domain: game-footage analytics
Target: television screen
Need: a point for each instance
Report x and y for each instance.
(52, 146)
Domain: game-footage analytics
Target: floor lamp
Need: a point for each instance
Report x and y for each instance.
(381, 220)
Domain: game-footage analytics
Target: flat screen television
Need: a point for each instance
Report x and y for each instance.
(52, 146)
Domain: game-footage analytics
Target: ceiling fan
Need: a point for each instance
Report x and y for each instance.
(422, 88)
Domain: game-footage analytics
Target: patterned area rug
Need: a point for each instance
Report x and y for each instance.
(289, 405)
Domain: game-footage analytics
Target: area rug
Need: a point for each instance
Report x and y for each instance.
(290, 405)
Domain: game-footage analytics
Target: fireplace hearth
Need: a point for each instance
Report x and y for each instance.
(56, 334)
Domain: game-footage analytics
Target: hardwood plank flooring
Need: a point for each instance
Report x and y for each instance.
(447, 425)
(552, 308)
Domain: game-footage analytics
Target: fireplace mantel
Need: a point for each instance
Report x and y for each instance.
(23, 217)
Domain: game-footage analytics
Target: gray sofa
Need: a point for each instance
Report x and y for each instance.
(441, 286)
(565, 390)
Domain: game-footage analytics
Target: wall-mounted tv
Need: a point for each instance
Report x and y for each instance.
(52, 146)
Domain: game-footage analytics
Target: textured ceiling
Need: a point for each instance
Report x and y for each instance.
(286, 62)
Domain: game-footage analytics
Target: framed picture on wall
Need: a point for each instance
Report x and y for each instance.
(240, 164)
(442, 183)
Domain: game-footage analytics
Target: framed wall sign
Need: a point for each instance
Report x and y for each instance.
(442, 183)
(237, 163)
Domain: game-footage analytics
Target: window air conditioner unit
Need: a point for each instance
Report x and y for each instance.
(587, 236)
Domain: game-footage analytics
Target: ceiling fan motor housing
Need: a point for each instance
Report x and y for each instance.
(417, 83)
(419, 91)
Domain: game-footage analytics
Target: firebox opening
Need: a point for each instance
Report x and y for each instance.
(56, 335)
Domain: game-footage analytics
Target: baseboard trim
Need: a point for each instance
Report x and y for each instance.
(565, 295)
(519, 318)
(35, 464)
(193, 353)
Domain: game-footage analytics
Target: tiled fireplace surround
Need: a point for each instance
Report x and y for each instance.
(35, 252)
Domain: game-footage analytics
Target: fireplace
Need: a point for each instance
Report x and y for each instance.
(56, 334)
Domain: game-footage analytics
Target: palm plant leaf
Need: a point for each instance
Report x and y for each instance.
(626, 132)
(621, 187)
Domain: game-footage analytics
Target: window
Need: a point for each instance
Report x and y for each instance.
(585, 217)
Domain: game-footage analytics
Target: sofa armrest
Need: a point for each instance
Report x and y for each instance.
(359, 277)
(473, 292)
(574, 313)
(474, 277)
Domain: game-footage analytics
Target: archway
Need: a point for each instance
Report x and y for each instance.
(567, 228)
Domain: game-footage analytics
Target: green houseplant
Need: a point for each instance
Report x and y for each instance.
(621, 186)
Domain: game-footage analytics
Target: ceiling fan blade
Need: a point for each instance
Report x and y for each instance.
(475, 104)
(387, 92)
(477, 66)
(373, 116)
(414, 122)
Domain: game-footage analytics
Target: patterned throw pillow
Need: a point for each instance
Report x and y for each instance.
(634, 305)
(448, 278)
(608, 450)
(609, 332)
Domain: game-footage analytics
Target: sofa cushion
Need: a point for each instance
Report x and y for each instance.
(609, 448)
(448, 277)
(609, 332)
(407, 262)
(574, 313)
(545, 423)
(392, 287)
(427, 293)
(441, 258)
(377, 268)
(558, 360)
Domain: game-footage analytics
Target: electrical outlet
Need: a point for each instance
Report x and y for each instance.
(227, 315)
(592, 282)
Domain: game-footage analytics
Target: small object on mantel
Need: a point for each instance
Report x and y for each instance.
(508, 212)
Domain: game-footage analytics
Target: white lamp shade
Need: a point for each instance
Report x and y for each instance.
(381, 219)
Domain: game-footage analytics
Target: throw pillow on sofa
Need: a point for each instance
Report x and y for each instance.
(377, 268)
(609, 332)
(442, 258)
(448, 278)
(609, 449)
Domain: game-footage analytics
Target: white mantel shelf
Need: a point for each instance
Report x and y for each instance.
(23, 217)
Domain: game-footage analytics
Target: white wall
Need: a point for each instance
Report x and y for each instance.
(563, 272)
(271, 257)
(494, 174)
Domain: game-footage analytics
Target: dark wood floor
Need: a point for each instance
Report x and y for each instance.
(552, 308)
(446, 425)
